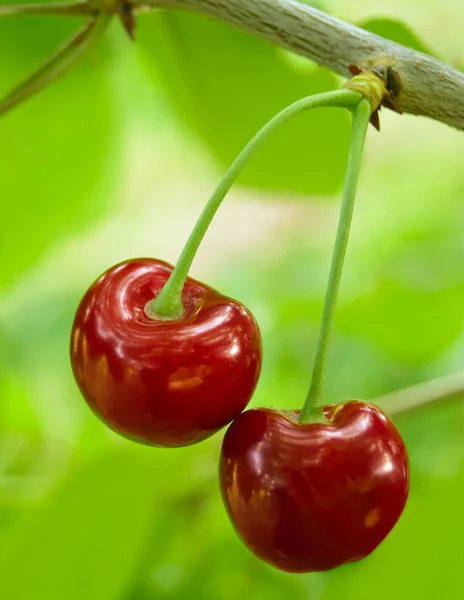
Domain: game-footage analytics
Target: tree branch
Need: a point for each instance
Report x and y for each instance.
(449, 388)
(72, 9)
(431, 88)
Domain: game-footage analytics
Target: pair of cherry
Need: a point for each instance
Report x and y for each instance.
(302, 496)
(167, 361)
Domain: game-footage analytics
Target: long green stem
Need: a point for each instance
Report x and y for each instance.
(168, 304)
(58, 63)
(313, 409)
(73, 9)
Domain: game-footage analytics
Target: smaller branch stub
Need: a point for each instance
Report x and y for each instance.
(124, 9)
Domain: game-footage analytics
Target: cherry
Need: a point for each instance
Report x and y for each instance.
(312, 496)
(159, 381)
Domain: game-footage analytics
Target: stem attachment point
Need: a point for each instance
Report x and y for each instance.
(170, 313)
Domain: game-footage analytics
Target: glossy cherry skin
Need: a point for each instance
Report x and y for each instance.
(315, 496)
(163, 382)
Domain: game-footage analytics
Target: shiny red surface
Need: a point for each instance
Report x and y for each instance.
(312, 497)
(162, 382)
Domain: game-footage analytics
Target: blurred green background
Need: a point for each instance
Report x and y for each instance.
(116, 160)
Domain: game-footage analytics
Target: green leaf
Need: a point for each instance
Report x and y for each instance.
(399, 319)
(54, 149)
(86, 541)
(217, 565)
(421, 558)
(396, 32)
(225, 84)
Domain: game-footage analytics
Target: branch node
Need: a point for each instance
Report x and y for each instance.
(380, 84)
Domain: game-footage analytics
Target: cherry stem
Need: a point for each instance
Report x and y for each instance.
(58, 63)
(168, 304)
(312, 410)
(82, 8)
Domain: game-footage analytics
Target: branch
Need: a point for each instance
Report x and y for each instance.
(72, 9)
(431, 88)
(448, 388)
(58, 63)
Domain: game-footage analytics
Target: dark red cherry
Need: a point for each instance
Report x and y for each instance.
(310, 497)
(156, 381)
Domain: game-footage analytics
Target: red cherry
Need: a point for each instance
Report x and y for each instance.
(310, 497)
(157, 381)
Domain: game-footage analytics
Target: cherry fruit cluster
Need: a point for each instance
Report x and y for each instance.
(167, 361)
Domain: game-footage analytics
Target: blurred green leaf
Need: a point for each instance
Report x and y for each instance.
(398, 319)
(54, 149)
(86, 540)
(225, 84)
(422, 556)
(217, 565)
(398, 32)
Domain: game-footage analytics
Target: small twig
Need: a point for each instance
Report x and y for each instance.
(448, 388)
(72, 9)
(57, 64)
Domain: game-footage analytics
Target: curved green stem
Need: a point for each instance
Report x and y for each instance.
(58, 63)
(313, 407)
(82, 8)
(168, 304)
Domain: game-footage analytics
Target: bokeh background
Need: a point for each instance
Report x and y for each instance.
(116, 160)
